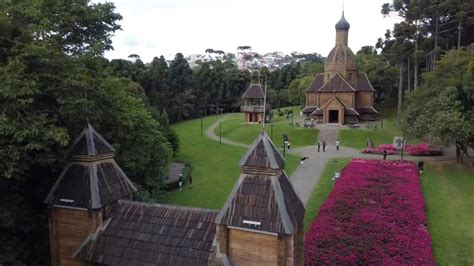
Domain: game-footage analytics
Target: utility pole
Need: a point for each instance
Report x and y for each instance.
(264, 102)
(415, 65)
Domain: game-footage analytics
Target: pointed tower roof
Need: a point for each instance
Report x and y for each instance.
(263, 200)
(89, 143)
(343, 24)
(263, 154)
(254, 91)
(92, 179)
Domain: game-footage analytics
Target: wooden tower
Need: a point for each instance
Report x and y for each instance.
(86, 189)
(262, 221)
(253, 104)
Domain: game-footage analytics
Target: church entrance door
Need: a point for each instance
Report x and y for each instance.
(333, 116)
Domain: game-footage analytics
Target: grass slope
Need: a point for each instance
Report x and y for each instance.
(322, 190)
(357, 137)
(234, 128)
(449, 195)
(215, 167)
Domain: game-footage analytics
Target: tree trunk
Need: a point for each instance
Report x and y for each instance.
(400, 95)
(459, 35)
(408, 76)
(435, 51)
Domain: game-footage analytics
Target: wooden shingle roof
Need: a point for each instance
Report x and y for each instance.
(317, 83)
(263, 154)
(254, 91)
(152, 234)
(90, 185)
(363, 83)
(89, 143)
(92, 179)
(336, 83)
(263, 203)
(366, 110)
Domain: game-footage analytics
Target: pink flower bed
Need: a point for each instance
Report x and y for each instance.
(375, 215)
(422, 150)
(379, 151)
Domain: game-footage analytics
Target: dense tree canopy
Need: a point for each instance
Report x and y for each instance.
(53, 81)
(441, 110)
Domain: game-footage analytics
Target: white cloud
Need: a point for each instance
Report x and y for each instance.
(155, 27)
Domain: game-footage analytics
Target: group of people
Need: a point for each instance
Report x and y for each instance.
(324, 143)
(320, 143)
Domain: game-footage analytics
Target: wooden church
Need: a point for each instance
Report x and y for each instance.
(93, 221)
(342, 94)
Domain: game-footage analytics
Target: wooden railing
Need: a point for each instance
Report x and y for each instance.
(252, 108)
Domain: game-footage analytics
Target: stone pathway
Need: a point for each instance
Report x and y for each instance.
(305, 179)
(329, 132)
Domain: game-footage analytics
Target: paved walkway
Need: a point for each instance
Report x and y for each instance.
(305, 179)
(329, 132)
(210, 133)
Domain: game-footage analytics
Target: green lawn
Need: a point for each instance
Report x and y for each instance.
(322, 190)
(215, 167)
(234, 128)
(357, 138)
(449, 195)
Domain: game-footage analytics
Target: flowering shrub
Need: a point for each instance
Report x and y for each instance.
(374, 215)
(412, 149)
(388, 147)
(379, 151)
(422, 150)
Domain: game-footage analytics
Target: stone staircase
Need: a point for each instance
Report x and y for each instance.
(329, 132)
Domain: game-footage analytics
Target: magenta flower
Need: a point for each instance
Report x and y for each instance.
(374, 215)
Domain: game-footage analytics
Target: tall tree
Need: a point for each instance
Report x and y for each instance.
(180, 81)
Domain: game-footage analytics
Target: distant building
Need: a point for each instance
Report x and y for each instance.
(253, 104)
(92, 220)
(342, 94)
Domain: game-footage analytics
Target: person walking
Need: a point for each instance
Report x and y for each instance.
(319, 144)
(190, 178)
(324, 145)
(337, 144)
(180, 183)
(385, 154)
(421, 165)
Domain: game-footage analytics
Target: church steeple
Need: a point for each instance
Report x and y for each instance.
(342, 31)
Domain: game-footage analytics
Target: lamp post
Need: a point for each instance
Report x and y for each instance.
(201, 124)
(220, 132)
(403, 147)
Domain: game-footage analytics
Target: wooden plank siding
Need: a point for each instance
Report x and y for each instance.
(70, 227)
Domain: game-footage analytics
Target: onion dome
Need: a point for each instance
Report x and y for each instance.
(342, 24)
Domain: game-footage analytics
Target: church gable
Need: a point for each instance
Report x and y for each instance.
(334, 103)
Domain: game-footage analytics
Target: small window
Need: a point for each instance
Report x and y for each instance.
(350, 76)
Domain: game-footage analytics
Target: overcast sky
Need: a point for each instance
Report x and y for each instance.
(164, 27)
